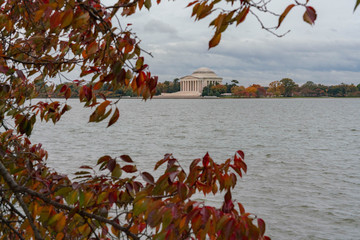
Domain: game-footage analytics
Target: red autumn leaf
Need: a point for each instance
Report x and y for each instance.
(261, 225)
(242, 15)
(126, 158)
(86, 167)
(63, 88)
(310, 15)
(242, 155)
(112, 197)
(111, 164)
(129, 168)
(4, 69)
(114, 117)
(68, 93)
(55, 20)
(148, 178)
(194, 163)
(206, 160)
(192, 3)
(159, 163)
(21, 75)
(241, 208)
(105, 158)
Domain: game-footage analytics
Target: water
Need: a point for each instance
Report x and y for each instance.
(303, 155)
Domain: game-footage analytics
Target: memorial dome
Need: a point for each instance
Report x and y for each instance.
(204, 73)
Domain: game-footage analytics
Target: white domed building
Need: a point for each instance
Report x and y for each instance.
(199, 79)
(191, 86)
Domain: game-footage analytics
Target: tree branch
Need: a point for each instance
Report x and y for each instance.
(13, 186)
(20, 189)
(11, 227)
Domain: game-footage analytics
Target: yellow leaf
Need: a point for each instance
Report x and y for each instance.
(60, 223)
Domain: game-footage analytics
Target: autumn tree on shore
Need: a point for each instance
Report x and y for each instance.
(46, 39)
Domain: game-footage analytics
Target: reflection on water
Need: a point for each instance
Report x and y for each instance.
(302, 154)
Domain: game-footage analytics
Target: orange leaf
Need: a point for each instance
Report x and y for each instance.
(114, 117)
(38, 14)
(98, 85)
(60, 223)
(215, 40)
(59, 236)
(140, 4)
(101, 108)
(283, 15)
(92, 48)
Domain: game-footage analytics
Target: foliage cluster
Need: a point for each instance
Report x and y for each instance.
(43, 40)
(284, 88)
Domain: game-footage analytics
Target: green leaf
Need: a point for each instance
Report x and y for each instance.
(357, 4)
(101, 197)
(81, 198)
(63, 192)
(147, 4)
(116, 173)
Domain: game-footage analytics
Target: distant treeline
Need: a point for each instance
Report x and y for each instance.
(283, 88)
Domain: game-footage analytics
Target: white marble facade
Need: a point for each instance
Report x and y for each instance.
(199, 79)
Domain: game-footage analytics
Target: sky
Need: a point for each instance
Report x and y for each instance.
(325, 53)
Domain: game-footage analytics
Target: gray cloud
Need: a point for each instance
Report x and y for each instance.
(155, 26)
(326, 53)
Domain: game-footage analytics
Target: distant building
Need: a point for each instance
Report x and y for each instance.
(199, 79)
(192, 86)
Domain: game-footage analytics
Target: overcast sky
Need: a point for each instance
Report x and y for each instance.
(326, 53)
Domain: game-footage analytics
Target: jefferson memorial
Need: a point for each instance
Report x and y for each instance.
(192, 85)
